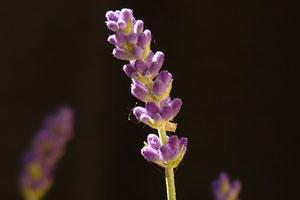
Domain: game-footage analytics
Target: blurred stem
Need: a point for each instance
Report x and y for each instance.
(169, 172)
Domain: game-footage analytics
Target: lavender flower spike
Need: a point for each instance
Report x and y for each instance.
(224, 190)
(151, 86)
(47, 147)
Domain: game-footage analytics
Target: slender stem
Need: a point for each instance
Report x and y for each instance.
(170, 183)
(169, 172)
(163, 136)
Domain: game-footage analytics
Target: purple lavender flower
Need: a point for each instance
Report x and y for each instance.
(167, 155)
(47, 147)
(151, 86)
(224, 190)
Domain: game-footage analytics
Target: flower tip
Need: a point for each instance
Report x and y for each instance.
(110, 16)
(138, 111)
(153, 141)
(183, 142)
(138, 27)
(149, 154)
(139, 91)
(126, 14)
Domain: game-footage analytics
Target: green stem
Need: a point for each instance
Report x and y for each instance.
(170, 184)
(163, 136)
(169, 172)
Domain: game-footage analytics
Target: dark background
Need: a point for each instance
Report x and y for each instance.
(234, 64)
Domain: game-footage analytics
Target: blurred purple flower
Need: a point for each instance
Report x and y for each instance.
(47, 147)
(224, 190)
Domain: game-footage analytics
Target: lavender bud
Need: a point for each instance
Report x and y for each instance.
(111, 16)
(161, 83)
(150, 154)
(151, 108)
(139, 91)
(140, 66)
(122, 54)
(126, 15)
(153, 141)
(121, 38)
(113, 26)
(176, 106)
(138, 111)
(121, 24)
(112, 40)
(166, 112)
(157, 62)
(144, 39)
(138, 27)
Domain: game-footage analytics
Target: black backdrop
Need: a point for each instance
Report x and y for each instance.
(234, 64)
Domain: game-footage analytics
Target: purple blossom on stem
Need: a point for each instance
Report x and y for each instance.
(167, 155)
(151, 86)
(224, 190)
(47, 147)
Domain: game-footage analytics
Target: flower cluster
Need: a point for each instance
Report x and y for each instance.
(47, 148)
(149, 84)
(167, 155)
(224, 190)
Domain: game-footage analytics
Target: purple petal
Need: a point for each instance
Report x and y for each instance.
(139, 91)
(121, 38)
(144, 39)
(145, 118)
(138, 52)
(129, 70)
(121, 24)
(183, 142)
(150, 154)
(156, 117)
(113, 26)
(138, 111)
(122, 54)
(151, 108)
(161, 82)
(126, 15)
(138, 27)
(166, 112)
(133, 38)
(176, 106)
(153, 141)
(112, 40)
(167, 152)
(140, 66)
(111, 16)
(174, 142)
(157, 62)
